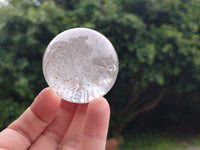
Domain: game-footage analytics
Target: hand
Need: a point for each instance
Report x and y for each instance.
(51, 123)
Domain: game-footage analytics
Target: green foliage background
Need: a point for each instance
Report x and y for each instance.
(157, 42)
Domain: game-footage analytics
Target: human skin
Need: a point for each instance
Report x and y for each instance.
(51, 123)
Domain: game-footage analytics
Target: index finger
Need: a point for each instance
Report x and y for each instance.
(96, 125)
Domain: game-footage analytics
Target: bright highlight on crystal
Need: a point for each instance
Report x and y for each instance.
(80, 65)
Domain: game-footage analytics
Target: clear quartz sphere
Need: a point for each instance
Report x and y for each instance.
(80, 65)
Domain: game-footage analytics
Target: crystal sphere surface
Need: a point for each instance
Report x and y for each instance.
(80, 65)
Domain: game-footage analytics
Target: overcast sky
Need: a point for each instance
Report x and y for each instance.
(3, 1)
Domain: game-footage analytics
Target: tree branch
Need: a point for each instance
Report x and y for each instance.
(141, 110)
(131, 102)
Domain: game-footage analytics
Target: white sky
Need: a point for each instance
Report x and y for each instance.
(4, 2)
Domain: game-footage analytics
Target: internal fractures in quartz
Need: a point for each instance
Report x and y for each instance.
(77, 71)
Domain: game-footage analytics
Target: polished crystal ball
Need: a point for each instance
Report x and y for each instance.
(80, 65)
